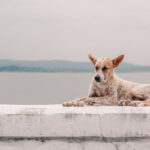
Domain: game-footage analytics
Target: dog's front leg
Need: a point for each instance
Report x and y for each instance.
(92, 101)
(99, 101)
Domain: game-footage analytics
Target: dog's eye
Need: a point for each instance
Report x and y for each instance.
(104, 68)
(96, 68)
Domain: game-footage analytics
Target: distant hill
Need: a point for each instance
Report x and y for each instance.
(61, 66)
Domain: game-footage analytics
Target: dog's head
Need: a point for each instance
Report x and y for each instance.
(104, 67)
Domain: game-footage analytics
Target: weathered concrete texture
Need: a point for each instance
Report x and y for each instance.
(56, 127)
(61, 145)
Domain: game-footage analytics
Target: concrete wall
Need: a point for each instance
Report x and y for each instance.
(53, 127)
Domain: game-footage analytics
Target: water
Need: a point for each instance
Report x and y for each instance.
(50, 88)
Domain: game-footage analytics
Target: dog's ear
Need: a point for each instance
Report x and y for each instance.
(117, 61)
(93, 60)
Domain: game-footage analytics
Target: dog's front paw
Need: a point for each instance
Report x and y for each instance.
(127, 103)
(124, 103)
(67, 104)
(76, 103)
(121, 103)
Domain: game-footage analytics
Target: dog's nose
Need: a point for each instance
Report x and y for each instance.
(97, 79)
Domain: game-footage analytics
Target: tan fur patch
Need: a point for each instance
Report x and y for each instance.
(93, 60)
(117, 60)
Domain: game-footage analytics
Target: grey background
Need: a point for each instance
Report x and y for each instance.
(69, 29)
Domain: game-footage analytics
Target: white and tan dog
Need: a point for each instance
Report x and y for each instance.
(108, 89)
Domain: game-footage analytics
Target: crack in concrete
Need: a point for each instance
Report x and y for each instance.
(100, 127)
(115, 145)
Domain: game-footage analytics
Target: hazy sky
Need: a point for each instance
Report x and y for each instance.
(70, 29)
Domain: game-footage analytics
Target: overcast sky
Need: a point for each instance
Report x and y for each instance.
(70, 29)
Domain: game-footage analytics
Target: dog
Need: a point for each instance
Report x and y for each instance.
(107, 88)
